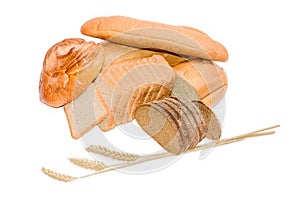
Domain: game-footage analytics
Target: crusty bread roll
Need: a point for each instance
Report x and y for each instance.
(200, 80)
(178, 124)
(69, 68)
(152, 35)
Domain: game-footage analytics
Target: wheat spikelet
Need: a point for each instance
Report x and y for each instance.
(58, 176)
(88, 164)
(112, 154)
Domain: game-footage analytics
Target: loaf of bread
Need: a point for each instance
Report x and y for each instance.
(178, 124)
(69, 68)
(152, 35)
(127, 84)
(200, 80)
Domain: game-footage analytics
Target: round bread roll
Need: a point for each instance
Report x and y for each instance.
(69, 68)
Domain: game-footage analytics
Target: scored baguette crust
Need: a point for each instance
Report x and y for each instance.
(68, 69)
(153, 35)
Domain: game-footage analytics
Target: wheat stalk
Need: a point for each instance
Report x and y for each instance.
(58, 176)
(88, 164)
(112, 154)
(107, 152)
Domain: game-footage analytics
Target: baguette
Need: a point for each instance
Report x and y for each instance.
(152, 35)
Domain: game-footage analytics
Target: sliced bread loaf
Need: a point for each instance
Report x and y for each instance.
(177, 124)
(127, 84)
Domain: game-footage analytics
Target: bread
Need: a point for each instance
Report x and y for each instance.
(127, 84)
(85, 112)
(212, 123)
(200, 80)
(69, 68)
(81, 112)
(118, 53)
(172, 123)
(152, 35)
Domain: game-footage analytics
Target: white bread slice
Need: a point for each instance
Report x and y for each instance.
(85, 112)
(127, 84)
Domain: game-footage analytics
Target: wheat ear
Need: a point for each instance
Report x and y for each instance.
(67, 178)
(112, 154)
(58, 176)
(88, 164)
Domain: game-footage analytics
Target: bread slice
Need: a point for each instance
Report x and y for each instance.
(172, 124)
(125, 85)
(146, 34)
(212, 123)
(85, 112)
(200, 80)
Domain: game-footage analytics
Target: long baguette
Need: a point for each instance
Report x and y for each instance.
(153, 35)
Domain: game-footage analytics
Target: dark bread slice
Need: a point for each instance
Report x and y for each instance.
(191, 129)
(175, 111)
(214, 129)
(195, 120)
(161, 126)
(170, 118)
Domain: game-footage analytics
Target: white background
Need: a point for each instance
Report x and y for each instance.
(262, 38)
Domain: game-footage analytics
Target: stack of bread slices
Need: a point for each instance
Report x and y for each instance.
(163, 76)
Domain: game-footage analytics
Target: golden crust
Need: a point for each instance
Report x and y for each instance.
(146, 34)
(68, 69)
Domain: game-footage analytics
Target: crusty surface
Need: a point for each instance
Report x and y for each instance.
(205, 77)
(146, 34)
(68, 69)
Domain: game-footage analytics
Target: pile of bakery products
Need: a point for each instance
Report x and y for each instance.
(163, 76)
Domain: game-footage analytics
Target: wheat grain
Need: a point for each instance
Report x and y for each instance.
(88, 164)
(58, 176)
(112, 154)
